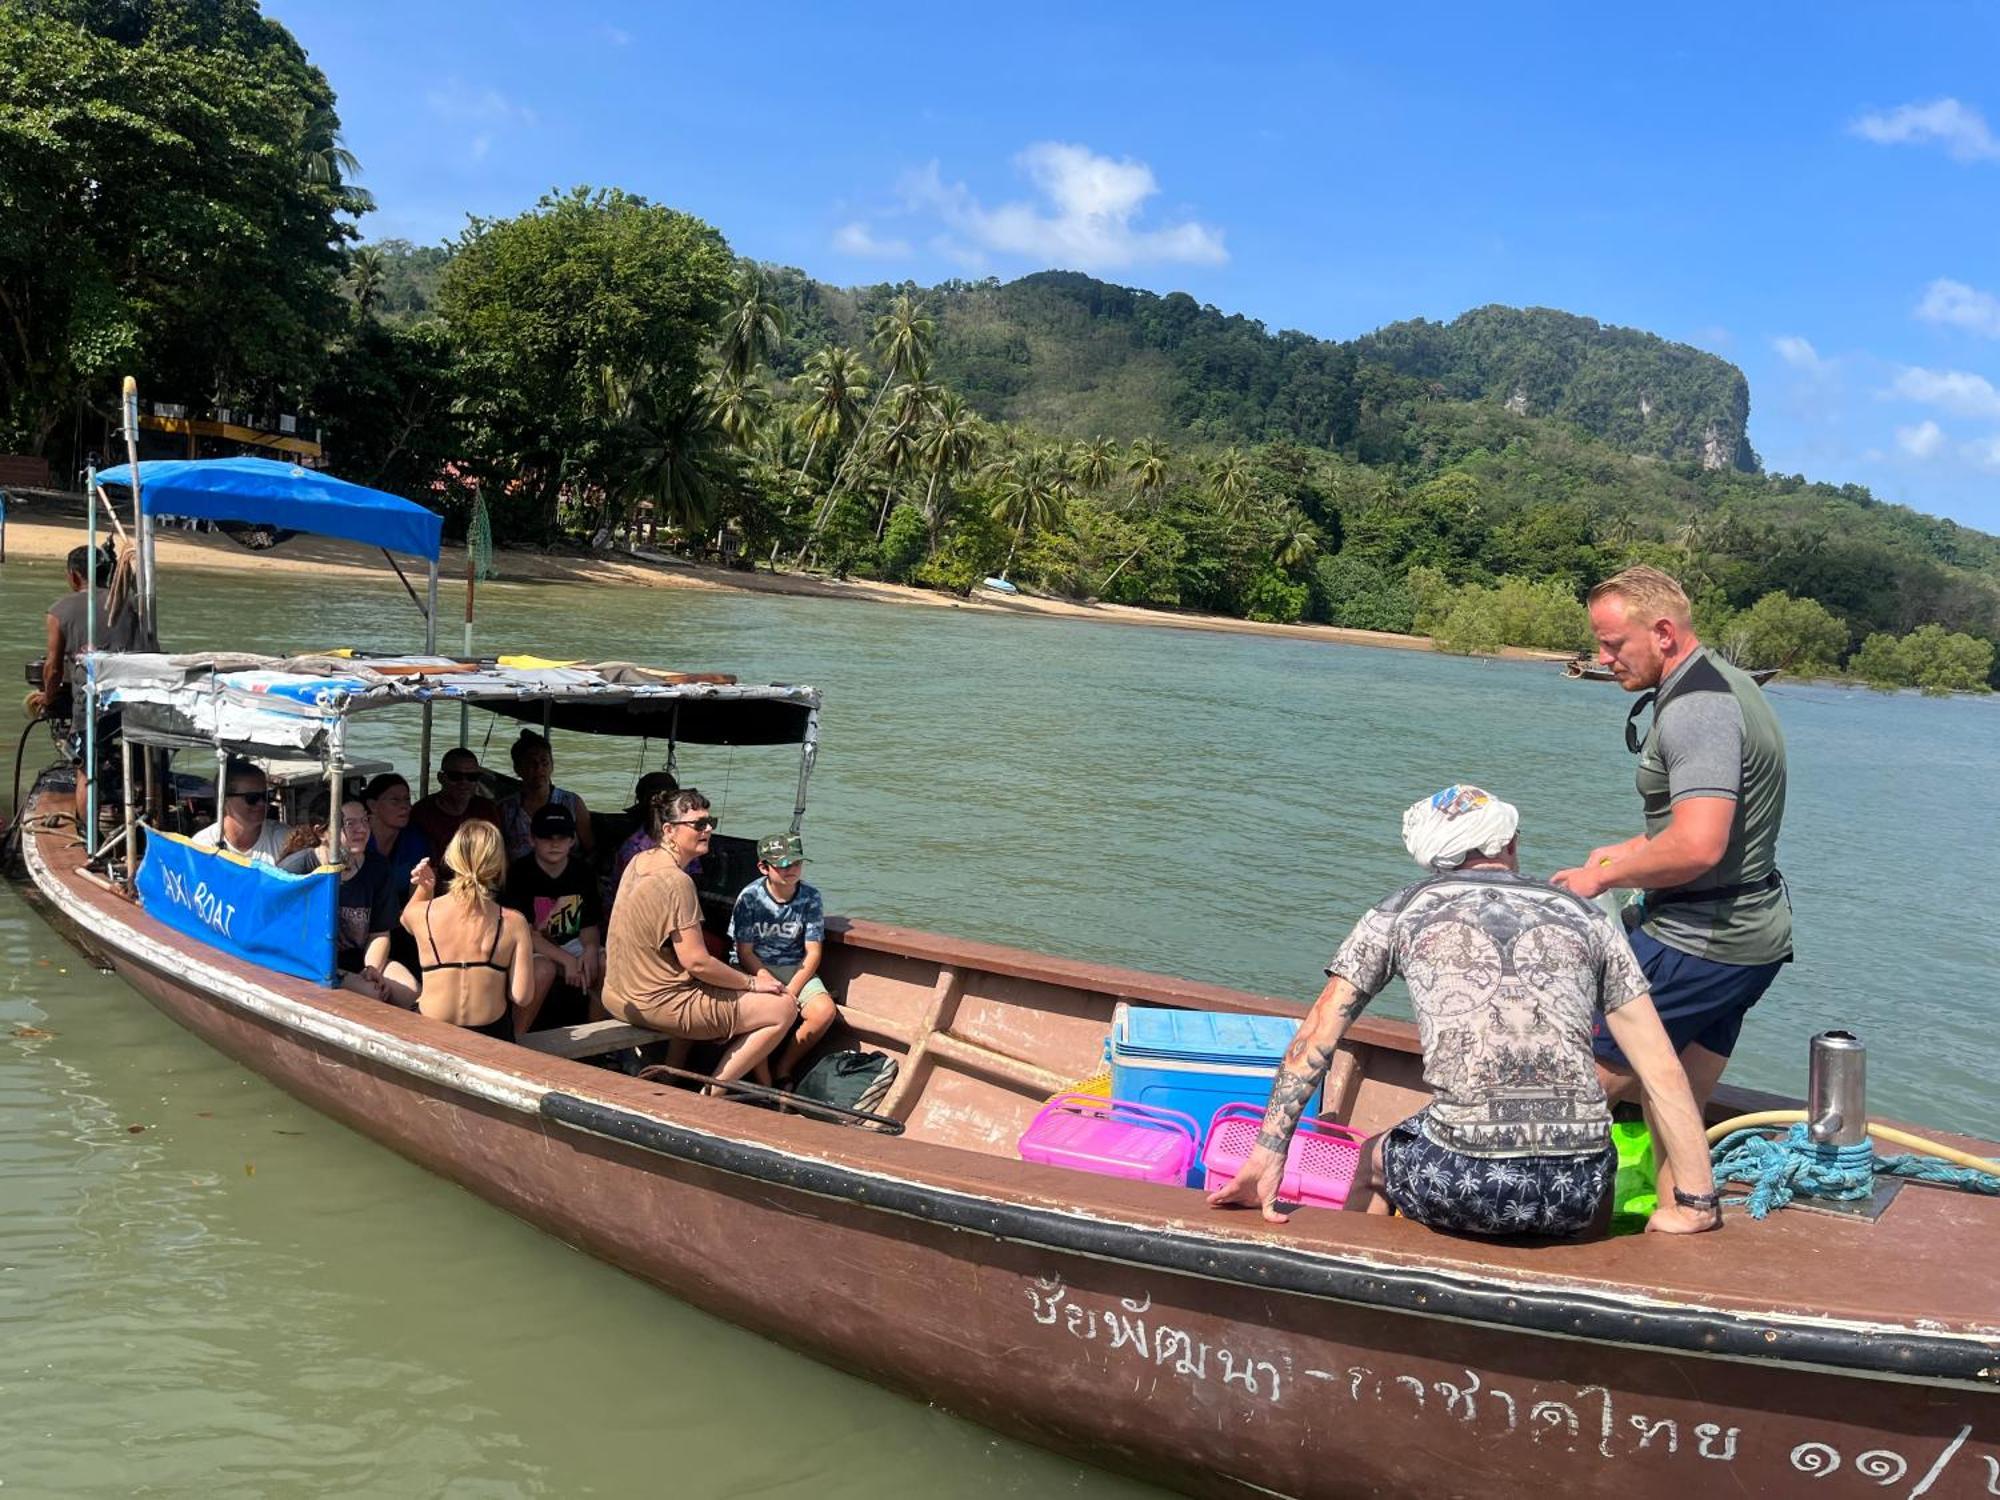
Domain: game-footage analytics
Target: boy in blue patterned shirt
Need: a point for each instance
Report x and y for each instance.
(779, 926)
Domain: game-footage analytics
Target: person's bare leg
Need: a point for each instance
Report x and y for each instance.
(545, 980)
(815, 1020)
(1368, 1193)
(1704, 1072)
(764, 1019)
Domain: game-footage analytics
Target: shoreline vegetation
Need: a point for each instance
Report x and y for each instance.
(44, 527)
(599, 364)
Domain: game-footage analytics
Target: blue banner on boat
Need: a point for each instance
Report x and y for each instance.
(252, 911)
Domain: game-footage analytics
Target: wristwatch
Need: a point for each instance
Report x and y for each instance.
(1699, 1200)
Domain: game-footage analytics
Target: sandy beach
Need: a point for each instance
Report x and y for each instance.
(45, 527)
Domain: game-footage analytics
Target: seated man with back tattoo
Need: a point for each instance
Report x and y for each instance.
(1507, 977)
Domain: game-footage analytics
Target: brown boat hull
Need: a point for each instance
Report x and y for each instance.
(1197, 1384)
(1209, 1361)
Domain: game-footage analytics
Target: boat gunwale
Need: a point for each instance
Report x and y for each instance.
(1523, 1303)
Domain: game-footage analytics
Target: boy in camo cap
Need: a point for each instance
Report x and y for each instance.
(779, 926)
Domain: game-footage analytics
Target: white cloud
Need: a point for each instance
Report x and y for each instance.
(1920, 441)
(1956, 391)
(1960, 129)
(1961, 306)
(1085, 219)
(1985, 453)
(858, 239)
(459, 102)
(1799, 354)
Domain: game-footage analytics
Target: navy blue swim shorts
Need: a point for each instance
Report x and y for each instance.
(1557, 1196)
(1699, 1000)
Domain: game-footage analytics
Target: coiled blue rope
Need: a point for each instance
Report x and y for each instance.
(1780, 1168)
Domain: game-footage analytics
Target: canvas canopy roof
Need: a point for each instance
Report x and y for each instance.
(280, 705)
(264, 491)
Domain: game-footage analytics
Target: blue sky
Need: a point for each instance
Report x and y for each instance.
(1811, 191)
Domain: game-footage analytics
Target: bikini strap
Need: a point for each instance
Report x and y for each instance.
(499, 922)
(437, 958)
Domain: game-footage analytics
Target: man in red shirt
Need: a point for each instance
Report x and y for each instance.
(457, 799)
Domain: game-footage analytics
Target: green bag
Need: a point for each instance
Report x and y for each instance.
(851, 1080)
(1633, 1199)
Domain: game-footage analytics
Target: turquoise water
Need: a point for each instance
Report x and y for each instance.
(242, 1298)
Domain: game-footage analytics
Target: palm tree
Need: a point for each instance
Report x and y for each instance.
(1148, 466)
(899, 446)
(366, 272)
(1033, 488)
(676, 455)
(754, 326)
(325, 161)
(1229, 482)
(949, 446)
(1094, 462)
(739, 405)
(902, 338)
(1296, 541)
(833, 384)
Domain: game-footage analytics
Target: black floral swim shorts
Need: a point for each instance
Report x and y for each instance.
(1557, 1196)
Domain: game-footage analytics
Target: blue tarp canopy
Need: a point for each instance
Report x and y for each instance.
(266, 492)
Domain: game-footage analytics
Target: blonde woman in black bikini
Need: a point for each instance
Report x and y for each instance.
(476, 959)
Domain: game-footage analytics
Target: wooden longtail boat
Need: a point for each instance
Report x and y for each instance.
(1127, 1323)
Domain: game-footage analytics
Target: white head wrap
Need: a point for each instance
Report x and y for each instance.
(1443, 831)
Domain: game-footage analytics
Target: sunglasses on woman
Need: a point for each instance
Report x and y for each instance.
(704, 824)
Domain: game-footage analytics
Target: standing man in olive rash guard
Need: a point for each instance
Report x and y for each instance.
(1714, 921)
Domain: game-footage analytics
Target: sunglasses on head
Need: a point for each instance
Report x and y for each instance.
(702, 823)
(253, 798)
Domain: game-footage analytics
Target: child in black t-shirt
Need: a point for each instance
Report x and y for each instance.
(558, 894)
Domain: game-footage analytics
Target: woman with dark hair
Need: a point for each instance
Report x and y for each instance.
(390, 835)
(534, 766)
(654, 786)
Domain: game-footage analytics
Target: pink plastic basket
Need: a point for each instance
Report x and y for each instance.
(1112, 1138)
(1319, 1169)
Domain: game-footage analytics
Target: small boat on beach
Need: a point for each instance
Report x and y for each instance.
(1582, 669)
(1122, 1322)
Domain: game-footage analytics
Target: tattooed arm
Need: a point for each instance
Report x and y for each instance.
(1299, 1077)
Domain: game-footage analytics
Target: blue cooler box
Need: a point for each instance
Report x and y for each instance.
(1196, 1061)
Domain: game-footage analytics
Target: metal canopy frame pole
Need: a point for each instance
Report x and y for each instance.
(142, 531)
(131, 811)
(808, 753)
(336, 758)
(88, 770)
(430, 649)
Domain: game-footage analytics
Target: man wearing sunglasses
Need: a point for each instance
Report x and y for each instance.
(244, 825)
(457, 800)
(659, 972)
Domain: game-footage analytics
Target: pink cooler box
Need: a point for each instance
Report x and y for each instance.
(1319, 1169)
(1112, 1138)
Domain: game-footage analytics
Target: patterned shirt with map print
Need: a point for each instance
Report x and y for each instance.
(1507, 977)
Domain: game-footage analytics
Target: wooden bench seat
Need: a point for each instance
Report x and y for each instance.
(589, 1039)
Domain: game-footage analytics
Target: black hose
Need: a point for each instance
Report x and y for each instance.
(20, 750)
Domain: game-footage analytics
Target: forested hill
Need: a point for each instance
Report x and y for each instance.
(1065, 352)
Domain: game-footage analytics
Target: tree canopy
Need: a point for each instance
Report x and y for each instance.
(174, 199)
